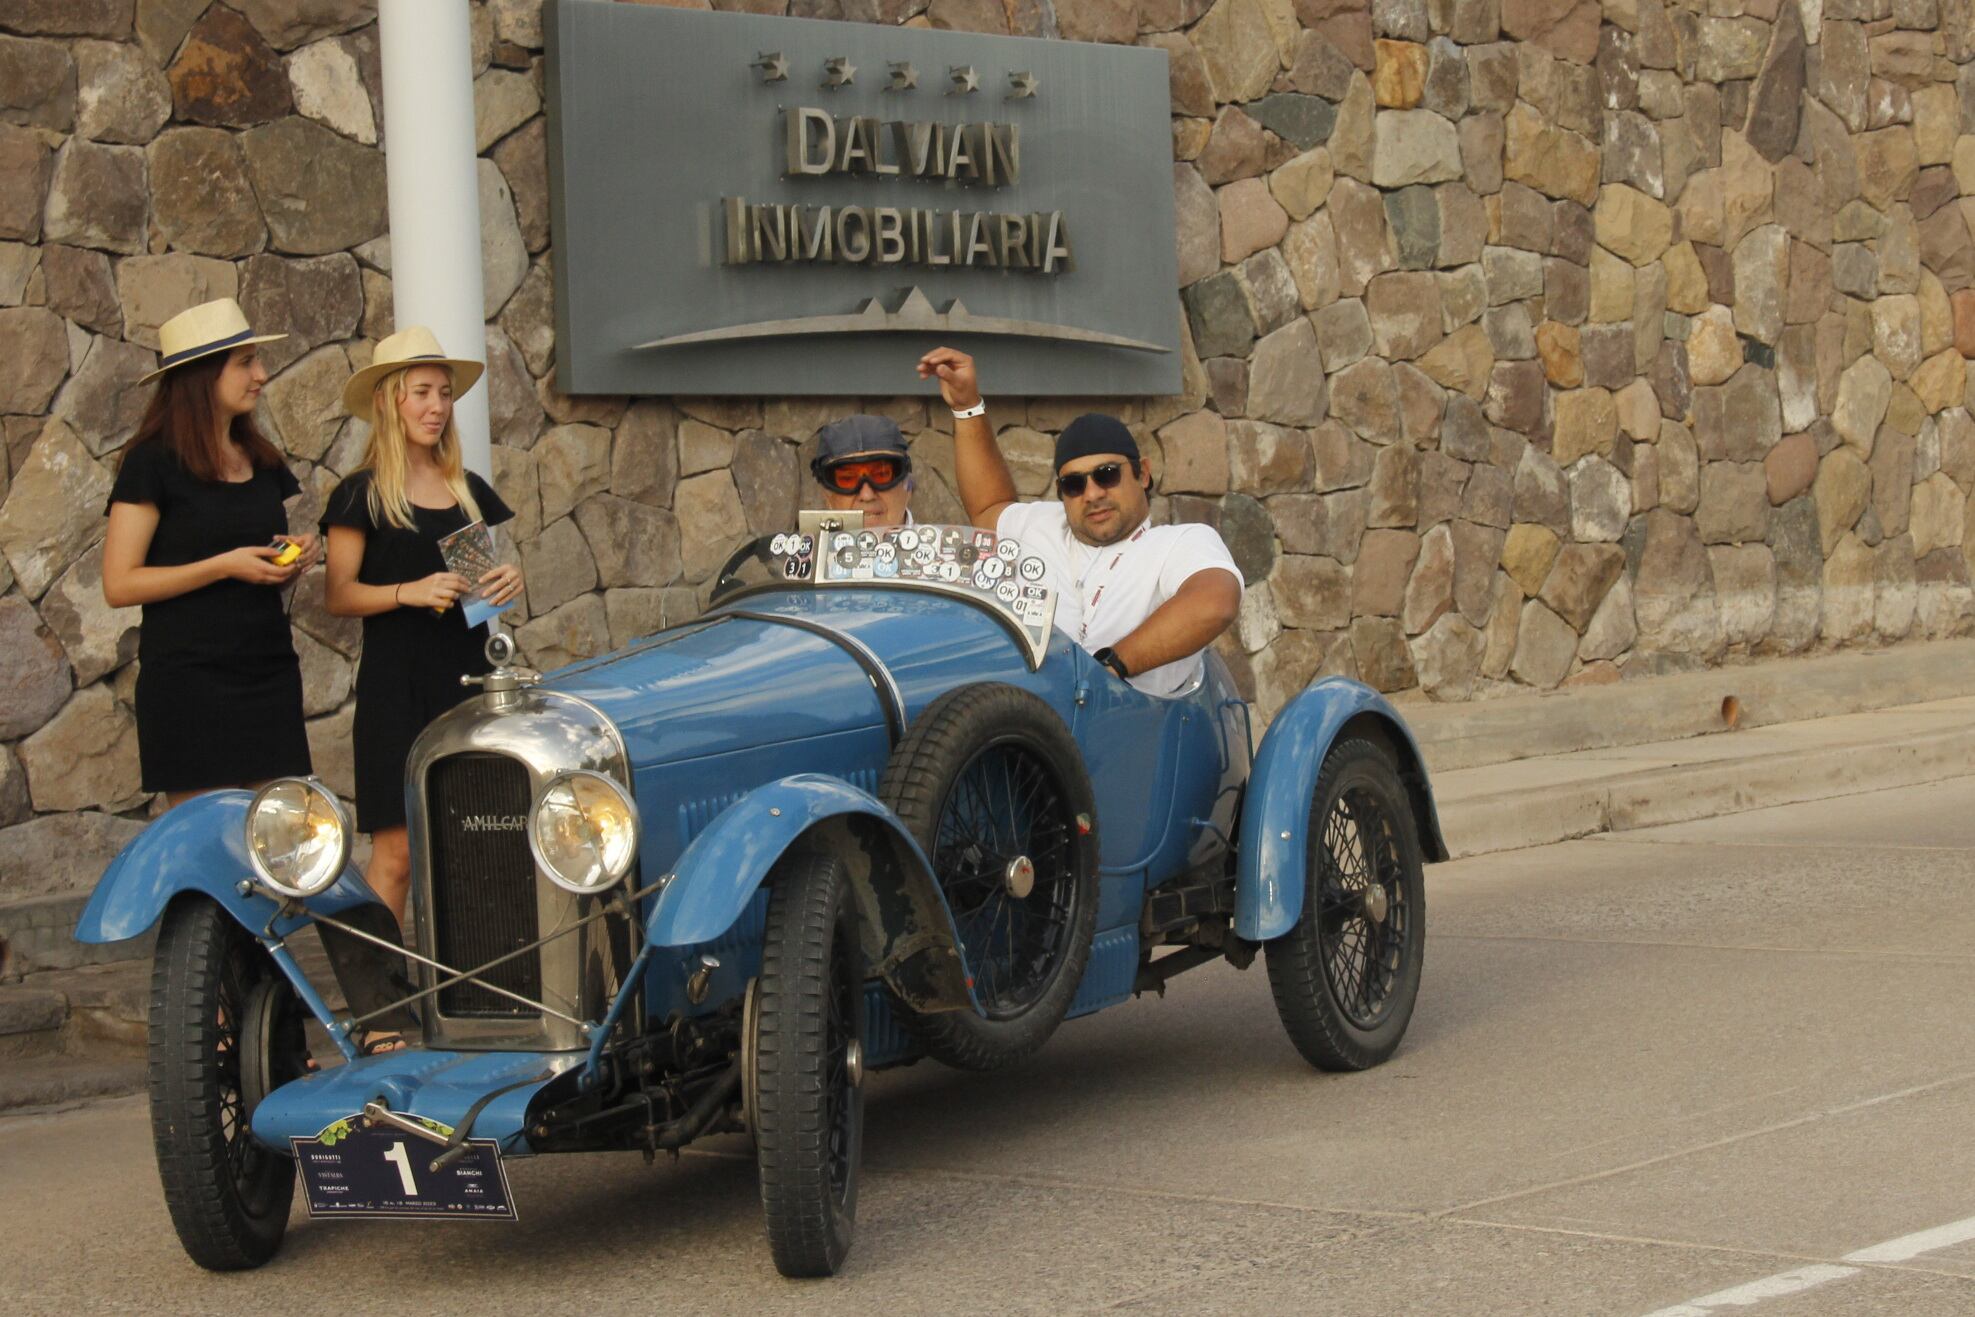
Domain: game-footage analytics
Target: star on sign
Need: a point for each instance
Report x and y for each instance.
(774, 67)
(964, 79)
(1023, 86)
(838, 71)
(903, 76)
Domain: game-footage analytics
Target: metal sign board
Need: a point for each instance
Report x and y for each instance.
(745, 204)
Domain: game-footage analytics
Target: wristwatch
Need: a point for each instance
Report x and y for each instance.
(1109, 658)
(966, 413)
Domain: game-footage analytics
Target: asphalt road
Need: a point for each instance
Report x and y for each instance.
(1728, 1064)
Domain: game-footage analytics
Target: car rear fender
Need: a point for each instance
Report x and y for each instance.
(909, 938)
(201, 846)
(1275, 816)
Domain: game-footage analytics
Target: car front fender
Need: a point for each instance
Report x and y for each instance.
(201, 846)
(1275, 817)
(909, 938)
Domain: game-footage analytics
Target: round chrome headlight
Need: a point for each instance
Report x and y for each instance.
(584, 831)
(298, 837)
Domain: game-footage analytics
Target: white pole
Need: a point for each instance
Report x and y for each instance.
(430, 164)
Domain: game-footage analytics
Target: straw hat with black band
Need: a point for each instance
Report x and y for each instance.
(416, 346)
(218, 326)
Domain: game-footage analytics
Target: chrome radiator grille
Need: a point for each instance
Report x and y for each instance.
(483, 880)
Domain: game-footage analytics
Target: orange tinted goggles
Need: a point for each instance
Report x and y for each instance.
(881, 473)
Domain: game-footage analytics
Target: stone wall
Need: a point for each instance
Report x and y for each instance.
(1529, 342)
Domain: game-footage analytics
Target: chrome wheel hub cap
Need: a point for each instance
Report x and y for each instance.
(853, 1062)
(1020, 878)
(1376, 904)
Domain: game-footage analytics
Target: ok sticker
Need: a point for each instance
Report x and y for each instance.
(1031, 569)
(779, 545)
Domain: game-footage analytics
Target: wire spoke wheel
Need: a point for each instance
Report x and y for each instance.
(1363, 916)
(1003, 809)
(225, 1031)
(991, 784)
(1345, 977)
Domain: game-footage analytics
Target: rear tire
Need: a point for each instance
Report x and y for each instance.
(808, 1054)
(987, 778)
(1345, 977)
(225, 1031)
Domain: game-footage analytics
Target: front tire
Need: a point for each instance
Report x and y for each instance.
(992, 786)
(808, 1095)
(225, 1031)
(1346, 976)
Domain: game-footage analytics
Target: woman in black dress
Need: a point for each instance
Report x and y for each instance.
(384, 525)
(194, 516)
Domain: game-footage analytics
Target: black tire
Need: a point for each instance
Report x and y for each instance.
(808, 1058)
(225, 1030)
(1346, 976)
(974, 751)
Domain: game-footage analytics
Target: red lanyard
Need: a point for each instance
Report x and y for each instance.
(1103, 580)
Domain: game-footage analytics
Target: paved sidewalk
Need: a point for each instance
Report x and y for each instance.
(1551, 798)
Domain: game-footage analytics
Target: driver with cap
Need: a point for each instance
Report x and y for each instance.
(862, 465)
(1143, 599)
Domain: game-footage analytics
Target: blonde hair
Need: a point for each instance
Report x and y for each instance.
(387, 457)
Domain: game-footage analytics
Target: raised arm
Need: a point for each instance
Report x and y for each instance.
(1204, 606)
(986, 488)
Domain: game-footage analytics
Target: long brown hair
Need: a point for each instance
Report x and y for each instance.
(181, 417)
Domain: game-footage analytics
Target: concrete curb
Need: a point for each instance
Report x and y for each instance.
(1785, 690)
(1513, 820)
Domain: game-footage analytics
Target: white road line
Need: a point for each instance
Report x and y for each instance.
(1908, 1247)
(1769, 1287)
(1903, 1249)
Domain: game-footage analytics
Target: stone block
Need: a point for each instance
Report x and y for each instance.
(1734, 507)
(319, 191)
(35, 346)
(328, 87)
(1865, 391)
(1840, 493)
(1195, 449)
(1365, 397)
(1311, 592)
(1586, 421)
(1238, 48)
(1286, 376)
(225, 75)
(1405, 312)
(1790, 468)
(1600, 501)
(121, 96)
(631, 543)
(153, 289)
(1301, 185)
(1413, 146)
(1545, 645)
(85, 756)
(96, 197)
(201, 198)
(1383, 569)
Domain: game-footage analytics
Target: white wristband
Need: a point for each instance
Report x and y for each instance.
(967, 413)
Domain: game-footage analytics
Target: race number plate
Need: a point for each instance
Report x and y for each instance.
(349, 1170)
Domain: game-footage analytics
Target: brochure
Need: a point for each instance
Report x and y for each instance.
(469, 551)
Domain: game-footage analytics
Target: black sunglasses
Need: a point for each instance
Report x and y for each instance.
(1107, 476)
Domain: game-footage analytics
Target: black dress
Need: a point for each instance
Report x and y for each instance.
(413, 657)
(219, 691)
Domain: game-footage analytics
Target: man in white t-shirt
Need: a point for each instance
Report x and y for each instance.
(1143, 599)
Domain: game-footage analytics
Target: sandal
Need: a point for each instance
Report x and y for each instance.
(373, 1043)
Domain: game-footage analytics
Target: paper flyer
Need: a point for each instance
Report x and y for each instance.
(469, 551)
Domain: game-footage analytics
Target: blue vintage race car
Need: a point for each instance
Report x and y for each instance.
(869, 807)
